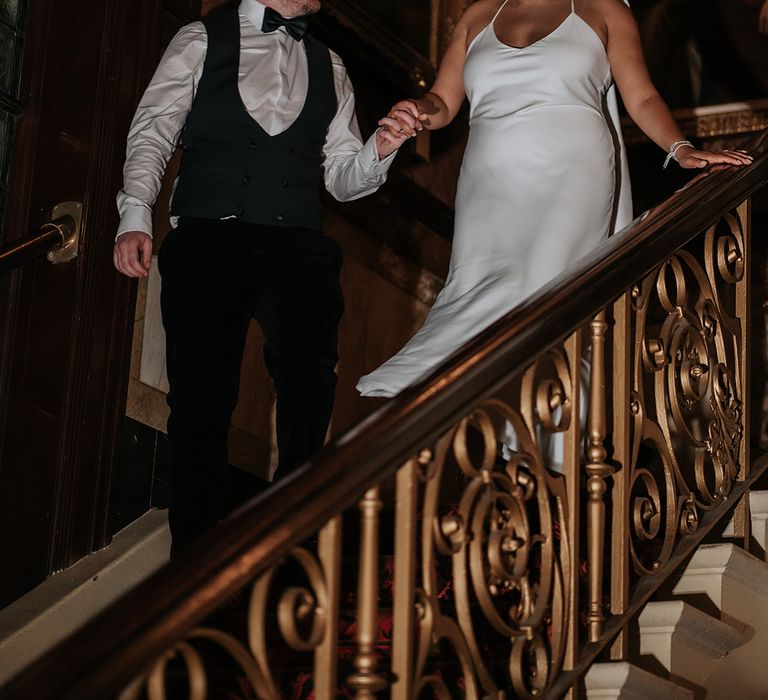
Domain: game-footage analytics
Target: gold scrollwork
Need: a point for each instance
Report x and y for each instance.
(506, 561)
(301, 620)
(687, 395)
(155, 679)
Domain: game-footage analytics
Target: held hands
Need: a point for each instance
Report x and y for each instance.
(133, 253)
(404, 121)
(689, 157)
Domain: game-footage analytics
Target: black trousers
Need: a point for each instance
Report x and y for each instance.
(216, 277)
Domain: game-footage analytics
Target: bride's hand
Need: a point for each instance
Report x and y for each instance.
(689, 157)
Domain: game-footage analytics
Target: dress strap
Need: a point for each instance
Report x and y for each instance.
(573, 6)
(498, 12)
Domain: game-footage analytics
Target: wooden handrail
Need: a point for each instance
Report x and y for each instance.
(121, 642)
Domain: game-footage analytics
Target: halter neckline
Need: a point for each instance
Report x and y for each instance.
(501, 7)
(492, 26)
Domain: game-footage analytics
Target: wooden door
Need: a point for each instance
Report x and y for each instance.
(65, 330)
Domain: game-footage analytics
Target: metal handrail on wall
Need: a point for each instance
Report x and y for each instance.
(661, 314)
(56, 240)
(30, 247)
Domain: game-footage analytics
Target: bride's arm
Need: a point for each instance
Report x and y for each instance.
(642, 100)
(442, 103)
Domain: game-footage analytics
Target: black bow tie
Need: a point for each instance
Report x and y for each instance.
(296, 26)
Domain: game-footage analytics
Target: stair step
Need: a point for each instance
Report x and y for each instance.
(734, 584)
(734, 580)
(758, 509)
(623, 681)
(687, 642)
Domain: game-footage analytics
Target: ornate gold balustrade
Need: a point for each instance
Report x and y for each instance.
(492, 532)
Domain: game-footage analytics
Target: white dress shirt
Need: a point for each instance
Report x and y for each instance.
(273, 82)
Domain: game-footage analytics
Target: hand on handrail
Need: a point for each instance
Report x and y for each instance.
(690, 157)
(133, 253)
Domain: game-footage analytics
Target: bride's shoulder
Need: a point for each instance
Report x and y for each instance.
(480, 12)
(610, 8)
(608, 14)
(477, 16)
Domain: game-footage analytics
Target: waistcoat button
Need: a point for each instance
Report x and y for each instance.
(246, 178)
(286, 184)
(280, 217)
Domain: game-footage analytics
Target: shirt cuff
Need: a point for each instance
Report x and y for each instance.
(369, 157)
(135, 218)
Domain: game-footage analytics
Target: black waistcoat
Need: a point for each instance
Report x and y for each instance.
(230, 165)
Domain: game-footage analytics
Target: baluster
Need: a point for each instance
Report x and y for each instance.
(366, 682)
(623, 409)
(574, 444)
(405, 578)
(741, 517)
(326, 657)
(597, 472)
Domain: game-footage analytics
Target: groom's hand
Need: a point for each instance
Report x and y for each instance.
(405, 117)
(133, 253)
(388, 141)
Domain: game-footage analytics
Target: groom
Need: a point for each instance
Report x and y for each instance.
(265, 114)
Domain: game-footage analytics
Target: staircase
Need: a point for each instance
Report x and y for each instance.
(623, 681)
(709, 640)
(418, 557)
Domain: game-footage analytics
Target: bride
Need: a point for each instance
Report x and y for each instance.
(544, 180)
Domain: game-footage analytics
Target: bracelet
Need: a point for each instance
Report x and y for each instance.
(673, 150)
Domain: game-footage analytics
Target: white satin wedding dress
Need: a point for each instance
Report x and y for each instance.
(543, 182)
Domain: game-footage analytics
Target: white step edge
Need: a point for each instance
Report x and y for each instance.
(714, 565)
(758, 509)
(674, 626)
(66, 600)
(623, 681)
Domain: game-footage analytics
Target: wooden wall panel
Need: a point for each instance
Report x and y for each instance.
(64, 362)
